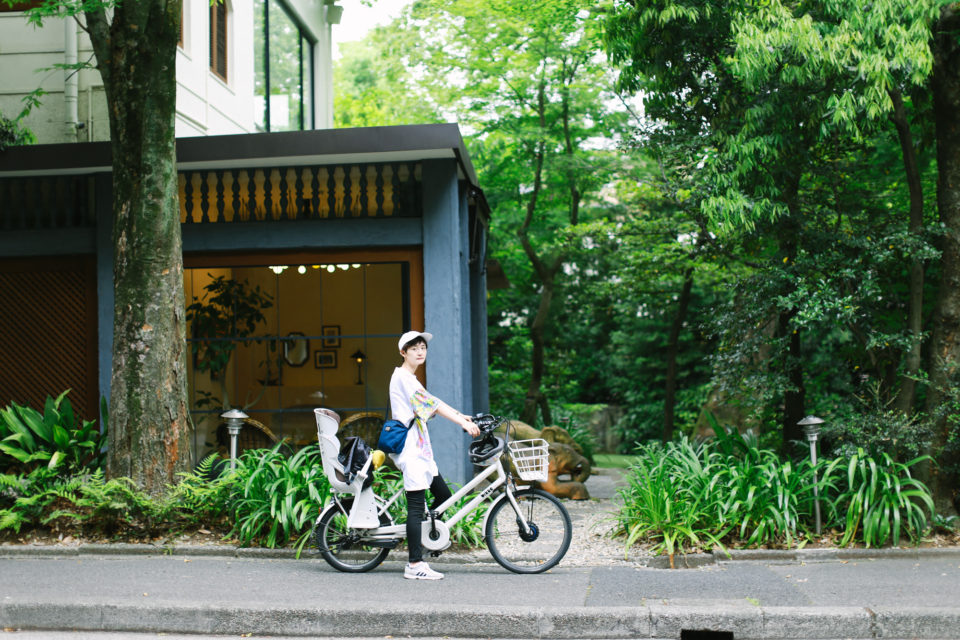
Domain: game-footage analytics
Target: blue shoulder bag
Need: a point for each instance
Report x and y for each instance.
(393, 435)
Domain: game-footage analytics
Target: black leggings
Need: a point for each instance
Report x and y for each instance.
(416, 505)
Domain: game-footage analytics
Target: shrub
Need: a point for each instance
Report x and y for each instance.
(55, 438)
(880, 500)
(276, 498)
(670, 499)
(683, 494)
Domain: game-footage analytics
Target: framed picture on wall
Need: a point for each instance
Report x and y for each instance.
(331, 336)
(323, 359)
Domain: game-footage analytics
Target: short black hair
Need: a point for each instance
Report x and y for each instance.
(414, 342)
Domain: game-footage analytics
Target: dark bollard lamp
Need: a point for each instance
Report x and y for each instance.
(811, 427)
(234, 419)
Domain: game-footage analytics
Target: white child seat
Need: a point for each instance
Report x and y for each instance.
(363, 513)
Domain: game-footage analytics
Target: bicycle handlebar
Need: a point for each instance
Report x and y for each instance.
(488, 422)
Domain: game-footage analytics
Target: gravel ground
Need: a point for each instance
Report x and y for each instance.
(593, 522)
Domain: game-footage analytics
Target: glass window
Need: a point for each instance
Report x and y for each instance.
(284, 70)
(281, 340)
(218, 39)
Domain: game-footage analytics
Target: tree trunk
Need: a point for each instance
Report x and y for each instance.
(794, 398)
(535, 398)
(136, 54)
(945, 337)
(911, 365)
(673, 348)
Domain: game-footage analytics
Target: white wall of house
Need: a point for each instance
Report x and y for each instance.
(26, 55)
(206, 104)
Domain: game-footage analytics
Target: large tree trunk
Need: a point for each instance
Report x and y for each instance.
(673, 349)
(136, 55)
(911, 365)
(945, 338)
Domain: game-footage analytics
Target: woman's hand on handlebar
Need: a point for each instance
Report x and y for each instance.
(466, 423)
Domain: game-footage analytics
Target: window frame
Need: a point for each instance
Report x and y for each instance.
(220, 27)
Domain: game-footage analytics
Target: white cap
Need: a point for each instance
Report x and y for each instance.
(413, 335)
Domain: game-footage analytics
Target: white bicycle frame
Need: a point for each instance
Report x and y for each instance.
(399, 531)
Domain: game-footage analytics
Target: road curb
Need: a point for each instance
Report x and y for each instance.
(681, 561)
(645, 621)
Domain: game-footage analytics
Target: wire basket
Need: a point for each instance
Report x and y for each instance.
(531, 458)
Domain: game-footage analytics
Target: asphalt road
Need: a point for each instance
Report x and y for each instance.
(880, 597)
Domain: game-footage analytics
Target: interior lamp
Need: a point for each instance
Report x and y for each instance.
(359, 356)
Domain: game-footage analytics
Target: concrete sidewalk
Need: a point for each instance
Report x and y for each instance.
(888, 597)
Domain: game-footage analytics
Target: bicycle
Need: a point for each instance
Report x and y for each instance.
(526, 530)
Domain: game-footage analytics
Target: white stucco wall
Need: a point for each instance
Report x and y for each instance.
(206, 105)
(26, 53)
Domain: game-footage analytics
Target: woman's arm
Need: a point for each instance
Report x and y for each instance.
(465, 422)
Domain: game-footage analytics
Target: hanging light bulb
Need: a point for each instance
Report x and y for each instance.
(331, 268)
(301, 269)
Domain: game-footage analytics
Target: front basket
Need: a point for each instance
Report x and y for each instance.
(531, 458)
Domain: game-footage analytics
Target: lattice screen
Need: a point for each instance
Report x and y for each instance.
(48, 341)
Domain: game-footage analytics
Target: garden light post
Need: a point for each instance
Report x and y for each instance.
(811, 427)
(234, 419)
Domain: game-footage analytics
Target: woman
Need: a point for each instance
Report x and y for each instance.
(409, 400)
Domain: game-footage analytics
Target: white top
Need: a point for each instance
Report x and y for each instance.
(408, 399)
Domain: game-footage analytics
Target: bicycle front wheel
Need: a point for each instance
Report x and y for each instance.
(537, 550)
(342, 547)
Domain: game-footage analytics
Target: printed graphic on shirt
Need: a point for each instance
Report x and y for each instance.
(424, 405)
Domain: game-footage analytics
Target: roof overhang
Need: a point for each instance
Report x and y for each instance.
(291, 148)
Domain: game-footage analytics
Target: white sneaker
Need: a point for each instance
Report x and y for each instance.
(421, 571)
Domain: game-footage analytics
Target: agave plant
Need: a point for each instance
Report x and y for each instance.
(56, 437)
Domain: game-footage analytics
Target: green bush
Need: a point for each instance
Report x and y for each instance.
(879, 500)
(669, 499)
(55, 438)
(276, 498)
(203, 496)
(685, 495)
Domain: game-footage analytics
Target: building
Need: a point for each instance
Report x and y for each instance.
(337, 241)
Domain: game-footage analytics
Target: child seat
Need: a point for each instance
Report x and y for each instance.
(363, 511)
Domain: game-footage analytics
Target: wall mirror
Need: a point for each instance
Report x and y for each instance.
(296, 349)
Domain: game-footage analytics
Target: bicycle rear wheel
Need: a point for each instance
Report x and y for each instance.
(540, 549)
(342, 547)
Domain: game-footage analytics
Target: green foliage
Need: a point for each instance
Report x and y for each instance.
(13, 134)
(228, 308)
(203, 496)
(56, 438)
(375, 84)
(684, 495)
(95, 503)
(880, 500)
(468, 531)
(277, 498)
(661, 502)
(874, 425)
